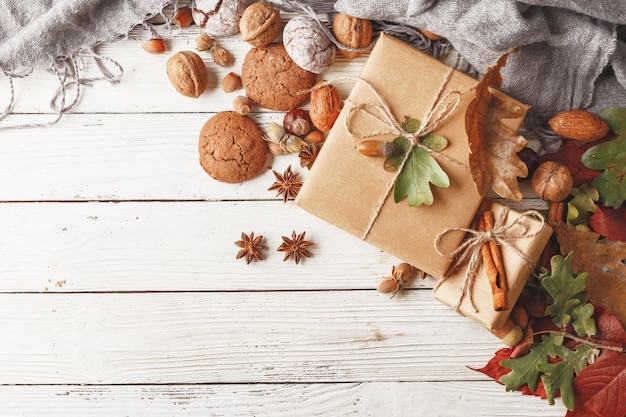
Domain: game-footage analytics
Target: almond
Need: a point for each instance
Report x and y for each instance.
(580, 125)
(325, 106)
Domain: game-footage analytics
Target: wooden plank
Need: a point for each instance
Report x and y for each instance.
(126, 157)
(176, 246)
(238, 337)
(120, 157)
(376, 399)
(144, 87)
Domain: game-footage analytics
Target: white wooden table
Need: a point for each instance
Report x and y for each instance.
(120, 294)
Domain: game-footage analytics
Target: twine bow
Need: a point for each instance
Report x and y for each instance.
(440, 111)
(502, 234)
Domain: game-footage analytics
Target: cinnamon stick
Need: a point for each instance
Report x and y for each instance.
(494, 266)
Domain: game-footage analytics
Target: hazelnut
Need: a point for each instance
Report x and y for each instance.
(352, 32)
(325, 106)
(187, 73)
(242, 105)
(404, 272)
(315, 136)
(203, 42)
(231, 82)
(154, 46)
(276, 149)
(552, 181)
(183, 17)
(260, 24)
(297, 122)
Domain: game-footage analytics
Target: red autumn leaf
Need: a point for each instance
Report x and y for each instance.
(569, 154)
(609, 329)
(600, 389)
(609, 222)
(494, 370)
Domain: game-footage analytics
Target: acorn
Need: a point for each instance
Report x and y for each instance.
(378, 148)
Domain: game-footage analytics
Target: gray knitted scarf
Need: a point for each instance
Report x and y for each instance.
(52, 33)
(572, 52)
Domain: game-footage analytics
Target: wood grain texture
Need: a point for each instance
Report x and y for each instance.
(237, 337)
(176, 246)
(120, 294)
(372, 399)
(127, 157)
(144, 87)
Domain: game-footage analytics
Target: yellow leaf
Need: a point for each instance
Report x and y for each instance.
(493, 146)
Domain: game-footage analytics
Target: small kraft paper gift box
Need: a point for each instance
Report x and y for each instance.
(521, 240)
(351, 191)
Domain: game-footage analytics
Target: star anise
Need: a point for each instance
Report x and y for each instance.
(286, 184)
(250, 247)
(308, 154)
(295, 247)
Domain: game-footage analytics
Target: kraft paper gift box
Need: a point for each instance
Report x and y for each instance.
(345, 188)
(516, 269)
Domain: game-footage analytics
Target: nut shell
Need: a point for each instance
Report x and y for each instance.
(325, 106)
(154, 46)
(552, 181)
(260, 24)
(231, 82)
(187, 73)
(580, 125)
(352, 32)
(307, 45)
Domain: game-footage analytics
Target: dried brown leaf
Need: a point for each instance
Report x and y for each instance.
(493, 145)
(604, 261)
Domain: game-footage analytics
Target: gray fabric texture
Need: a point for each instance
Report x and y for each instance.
(39, 31)
(570, 54)
(51, 33)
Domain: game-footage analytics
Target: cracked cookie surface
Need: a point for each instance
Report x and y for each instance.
(272, 80)
(231, 147)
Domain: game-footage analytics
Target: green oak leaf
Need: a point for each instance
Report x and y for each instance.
(564, 287)
(582, 317)
(560, 375)
(420, 169)
(583, 203)
(611, 157)
(410, 125)
(525, 369)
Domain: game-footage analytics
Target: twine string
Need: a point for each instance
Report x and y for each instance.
(503, 234)
(439, 112)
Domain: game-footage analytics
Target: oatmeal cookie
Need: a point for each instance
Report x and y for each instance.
(272, 80)
(231, 147)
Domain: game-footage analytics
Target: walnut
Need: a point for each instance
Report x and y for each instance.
(552, 181)
(187, 73)
(352, 32)
(260, 24)
(307, 45)
(219, 17)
